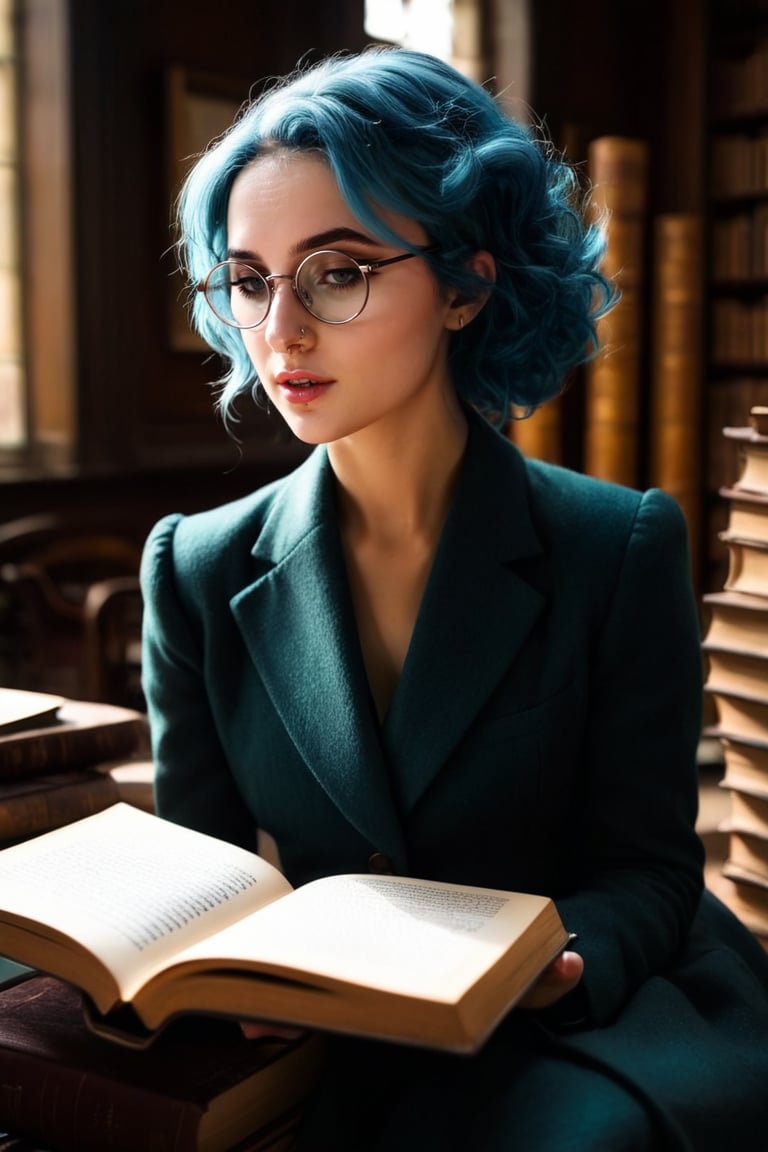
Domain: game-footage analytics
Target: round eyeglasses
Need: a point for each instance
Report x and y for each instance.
(332, 286)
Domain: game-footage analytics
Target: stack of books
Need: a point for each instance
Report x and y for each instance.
(157, 940)
(736, 651)
(200, 1087)
(61, 759)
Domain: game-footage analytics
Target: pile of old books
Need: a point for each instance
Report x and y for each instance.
(61, 759)
(736, 650)
(201, 1086)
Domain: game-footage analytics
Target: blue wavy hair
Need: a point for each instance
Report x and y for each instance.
(405, 132)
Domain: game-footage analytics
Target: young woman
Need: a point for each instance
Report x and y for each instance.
(424, 653)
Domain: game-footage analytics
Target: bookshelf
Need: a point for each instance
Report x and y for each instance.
(737, 272)
(735, 647)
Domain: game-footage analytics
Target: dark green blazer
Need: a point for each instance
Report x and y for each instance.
(542, 736)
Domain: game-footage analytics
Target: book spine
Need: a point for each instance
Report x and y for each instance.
(618, 174)
(540, 435)
(40, 811)
(737, 632)
(739, 673)
(57, 750)
(676, 363)
(748, 853)
(747, 566)
(77, 1111)
(749, 814)
(738, 718)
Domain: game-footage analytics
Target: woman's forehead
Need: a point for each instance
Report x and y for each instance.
(296, 194)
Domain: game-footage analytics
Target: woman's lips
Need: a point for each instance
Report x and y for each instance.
(302, 387)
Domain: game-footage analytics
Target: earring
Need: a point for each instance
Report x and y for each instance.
(461, 322)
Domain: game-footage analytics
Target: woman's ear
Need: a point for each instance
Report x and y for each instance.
(463, 309)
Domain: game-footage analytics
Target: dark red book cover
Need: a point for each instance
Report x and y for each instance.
(200, 1086)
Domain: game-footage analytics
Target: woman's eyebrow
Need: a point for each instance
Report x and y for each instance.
(332, 236)
(319, 240)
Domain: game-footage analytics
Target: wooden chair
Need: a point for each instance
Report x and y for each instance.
(70, 607)
(112, 614)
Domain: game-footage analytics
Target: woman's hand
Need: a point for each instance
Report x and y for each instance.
(556, 981)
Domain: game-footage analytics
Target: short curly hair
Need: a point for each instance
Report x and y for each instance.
(406, 132)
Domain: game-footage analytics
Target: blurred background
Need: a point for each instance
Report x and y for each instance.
(106, 416)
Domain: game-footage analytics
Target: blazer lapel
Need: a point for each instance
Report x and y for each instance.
(476, 613)
(298, 624)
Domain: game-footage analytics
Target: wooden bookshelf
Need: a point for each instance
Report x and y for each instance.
(737, 246)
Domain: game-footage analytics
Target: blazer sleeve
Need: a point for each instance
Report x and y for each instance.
(193, 784)
(636, 860)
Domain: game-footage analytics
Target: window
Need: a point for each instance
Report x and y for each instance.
(426, 25)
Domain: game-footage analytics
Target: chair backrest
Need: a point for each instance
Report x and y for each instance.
(112, 615)
(51, 617)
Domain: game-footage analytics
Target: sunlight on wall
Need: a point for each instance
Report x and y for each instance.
(12, 424)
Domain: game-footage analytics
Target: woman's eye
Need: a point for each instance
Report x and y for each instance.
(342, 277)
(249, 286)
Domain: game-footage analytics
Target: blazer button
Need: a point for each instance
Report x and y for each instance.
(380, 863)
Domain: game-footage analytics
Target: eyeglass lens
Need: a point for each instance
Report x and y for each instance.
(330, 285)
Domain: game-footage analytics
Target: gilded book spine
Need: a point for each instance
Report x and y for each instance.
(540, 435)
(618, 173)
(676, 367)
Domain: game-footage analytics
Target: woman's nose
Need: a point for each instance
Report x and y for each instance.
(286, 320)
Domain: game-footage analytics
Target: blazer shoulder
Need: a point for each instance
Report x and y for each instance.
(208, 544)
(586, 509)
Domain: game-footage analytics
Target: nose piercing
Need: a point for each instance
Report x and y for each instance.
(301, 333)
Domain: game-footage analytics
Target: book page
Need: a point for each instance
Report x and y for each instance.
(20, 709)
(132, 888)
(405, 935)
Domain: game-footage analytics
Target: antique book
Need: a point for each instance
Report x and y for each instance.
(737, 673)
(747, 514)
(746, 766)
(37, 804)
(202, 1088)
(747, 858)
(82, 733)
(748, 815)
(618, 173)
(677, 320)
(20, 709)
(747, 565)
(737, 622)
(738, 717)
(153, 920)
(540, 435)
(753, 455)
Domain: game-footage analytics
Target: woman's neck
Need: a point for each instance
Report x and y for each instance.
(395, 487)
(396, 483)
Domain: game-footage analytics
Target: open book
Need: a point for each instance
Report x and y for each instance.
(152, 920)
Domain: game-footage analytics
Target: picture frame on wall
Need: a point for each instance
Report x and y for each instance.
(200, 107)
